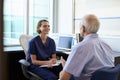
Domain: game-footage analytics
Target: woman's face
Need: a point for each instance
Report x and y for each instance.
(45, 27)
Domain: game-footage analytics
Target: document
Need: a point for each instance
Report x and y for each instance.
(56, 64)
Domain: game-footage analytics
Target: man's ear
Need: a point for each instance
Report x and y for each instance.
(83, 28)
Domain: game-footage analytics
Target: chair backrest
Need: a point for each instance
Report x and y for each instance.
(24, 42)
(106, 73)
(24, 39)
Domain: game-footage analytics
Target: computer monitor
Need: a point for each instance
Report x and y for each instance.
(65, 42)
(79, 38)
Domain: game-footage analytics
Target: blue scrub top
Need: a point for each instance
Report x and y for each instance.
(42, 51)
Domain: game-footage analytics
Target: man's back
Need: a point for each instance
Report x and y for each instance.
(89, 55)
(100, 54)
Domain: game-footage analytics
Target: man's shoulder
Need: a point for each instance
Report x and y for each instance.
(83, 43)
(84, 46)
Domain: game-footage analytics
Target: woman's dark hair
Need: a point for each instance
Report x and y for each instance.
(39, 25)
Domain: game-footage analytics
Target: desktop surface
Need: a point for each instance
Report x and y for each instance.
(63, 49)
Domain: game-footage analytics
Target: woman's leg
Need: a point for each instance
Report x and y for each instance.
(56, 70)
(44, 73)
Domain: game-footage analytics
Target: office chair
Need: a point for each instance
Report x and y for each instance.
(106, 73)
(24, 64)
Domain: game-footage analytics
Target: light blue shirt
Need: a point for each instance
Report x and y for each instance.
(87, 56)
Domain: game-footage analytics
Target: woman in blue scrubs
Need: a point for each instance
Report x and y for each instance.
(42, 51)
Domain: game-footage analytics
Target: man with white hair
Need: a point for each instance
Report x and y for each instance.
(88, 55)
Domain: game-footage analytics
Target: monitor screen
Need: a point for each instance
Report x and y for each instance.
(65, 42)
(78, 37)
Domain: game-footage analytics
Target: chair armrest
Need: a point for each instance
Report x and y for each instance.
(24, 62)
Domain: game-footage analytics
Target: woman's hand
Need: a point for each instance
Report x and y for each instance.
(51, 61)
(54, 60)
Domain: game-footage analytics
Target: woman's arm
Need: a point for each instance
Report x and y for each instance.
(54, 58)
(38, 62)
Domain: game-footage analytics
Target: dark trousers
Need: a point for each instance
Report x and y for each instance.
(47, 73)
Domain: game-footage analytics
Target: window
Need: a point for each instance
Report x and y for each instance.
(107, 11)
(22, 16)
(39, 9)
(13, 20)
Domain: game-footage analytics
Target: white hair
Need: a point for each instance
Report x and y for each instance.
(91, 23)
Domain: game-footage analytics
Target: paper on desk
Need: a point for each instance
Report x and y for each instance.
(56, 64)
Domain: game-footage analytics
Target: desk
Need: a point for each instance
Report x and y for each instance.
(63, 50)
(63, 54)
(67, 52)
(14, 68)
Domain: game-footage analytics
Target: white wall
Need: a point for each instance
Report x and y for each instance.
(65, 23)
(65, 16)
(114, 42)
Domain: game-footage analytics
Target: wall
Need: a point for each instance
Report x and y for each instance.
(14, 69)
(114, 42)
(65, 16)
(3, 57)
(109, 16)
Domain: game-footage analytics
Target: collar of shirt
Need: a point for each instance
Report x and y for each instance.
(47, 42)
(90, 36)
